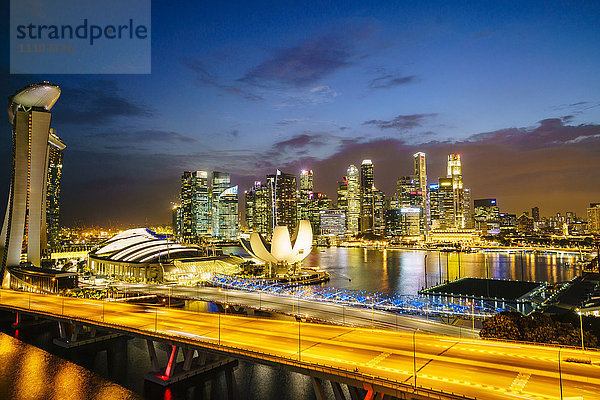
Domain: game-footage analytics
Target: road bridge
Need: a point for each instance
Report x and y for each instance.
(399, 364)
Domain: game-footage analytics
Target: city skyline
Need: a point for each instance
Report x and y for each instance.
(513, 88)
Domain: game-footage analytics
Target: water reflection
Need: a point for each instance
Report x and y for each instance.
(27, 372)
(403, 271)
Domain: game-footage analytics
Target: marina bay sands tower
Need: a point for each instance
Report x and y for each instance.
(23, 235)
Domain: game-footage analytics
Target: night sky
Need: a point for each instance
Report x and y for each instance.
(249, 87)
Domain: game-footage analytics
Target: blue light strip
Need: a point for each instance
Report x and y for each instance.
(402, 304)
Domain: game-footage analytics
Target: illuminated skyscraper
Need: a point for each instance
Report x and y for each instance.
(379, 212)
(195, 205)
(406, 192)
(220, 182)
(176, 220)
(353, 214)
(306, 190)
(434, 205)
(54, 177)
(467, 209)
(535, 213)
(23, 235)
(228, 219)
(306, 183)
(447, 217)
(258, 208)
(366, 196)
(316, 203)
(284, 204)
(455, 173)
(593, 218)
(342, 194)
(421, 184)
(486, 215)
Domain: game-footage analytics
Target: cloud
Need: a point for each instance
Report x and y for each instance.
(209, 79)
(316, 95)
(289, 121)
(401, 122)
(387, 81)
(305, 64)
(97, 103)
(300, 141)
(234, 133)
(550, 132)
(143, 136)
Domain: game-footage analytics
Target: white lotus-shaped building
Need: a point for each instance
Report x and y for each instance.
(282, 250)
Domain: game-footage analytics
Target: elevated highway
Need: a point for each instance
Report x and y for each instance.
(299, 306)
(399, 364)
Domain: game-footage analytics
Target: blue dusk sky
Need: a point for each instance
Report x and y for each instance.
(250, 87)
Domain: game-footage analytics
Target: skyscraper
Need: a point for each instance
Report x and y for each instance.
(353, 214)
(446, 204)
(486, 215)
(220, 181)
(535, 213)
(434, 205)
(195, 205)
(306, 183)
(54, 177)
(467, 209)
(176, 220)
(258, 208)
(342, 194)
(317, 202)
(366, 196)
(24, 230)
(455, 173)
(306, 190)
(284, 199)
(421, 184)
(379, 209)
(593, 218)
(228, 219)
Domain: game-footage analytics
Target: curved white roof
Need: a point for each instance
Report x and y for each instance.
(282, 248)
(41, 94)
(141, 245)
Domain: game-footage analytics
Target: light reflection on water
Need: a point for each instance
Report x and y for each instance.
(27, 372)
(403, 272)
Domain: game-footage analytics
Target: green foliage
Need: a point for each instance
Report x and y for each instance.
(537, 327)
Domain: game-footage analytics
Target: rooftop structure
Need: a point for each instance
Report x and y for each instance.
(23, 235)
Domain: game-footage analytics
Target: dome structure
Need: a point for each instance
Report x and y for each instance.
(282, 249)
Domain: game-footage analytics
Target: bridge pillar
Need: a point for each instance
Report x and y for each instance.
(337, 391)
(232, 391)
(191, 366)
(318, 387)
(354, 395)
(79, 336)
(152, 353)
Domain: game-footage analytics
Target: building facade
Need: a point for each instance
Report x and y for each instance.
(284, 204)
(353, 214)
(366, 197)
(196, 208)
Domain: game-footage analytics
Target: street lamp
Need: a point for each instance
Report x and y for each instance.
(560, 375)
(581, 326)
(415, 357)
(372, 313)
(425, 270)
(472, 304)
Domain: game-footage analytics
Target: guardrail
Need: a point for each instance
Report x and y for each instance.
(273, 358)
